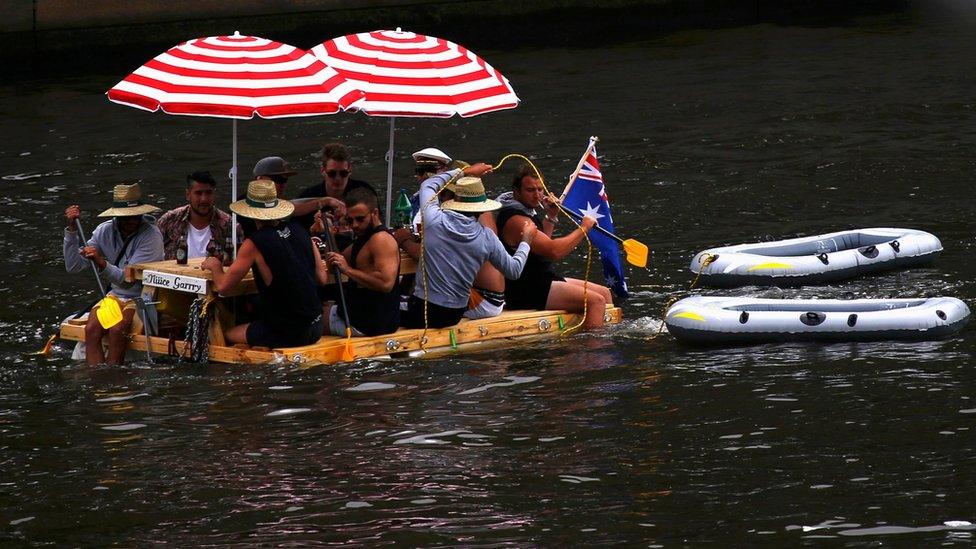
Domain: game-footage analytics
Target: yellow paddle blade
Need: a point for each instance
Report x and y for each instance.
(46, 351)
(347, 354)
(109, 313)
(636, 252)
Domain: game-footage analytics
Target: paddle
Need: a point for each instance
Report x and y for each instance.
(347, 354)
(636, 251)
(112, 314)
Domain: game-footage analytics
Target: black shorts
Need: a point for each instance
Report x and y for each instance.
(529, 294)
(437, 316)
(262, 334)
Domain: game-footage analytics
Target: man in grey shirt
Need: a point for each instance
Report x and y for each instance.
(129, 237)
(455, 246)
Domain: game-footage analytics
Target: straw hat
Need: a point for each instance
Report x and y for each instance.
(127, 200)
(262, 202)
(470, 197)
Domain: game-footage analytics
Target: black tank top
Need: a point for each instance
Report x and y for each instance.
(536, 267)
(371, 312)
(290, 302)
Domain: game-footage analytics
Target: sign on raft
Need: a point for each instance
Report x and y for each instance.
(188, 284)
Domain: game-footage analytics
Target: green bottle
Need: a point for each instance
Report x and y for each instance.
(402, 210)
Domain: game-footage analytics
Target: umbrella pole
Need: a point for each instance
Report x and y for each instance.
(389, 172)
(233, 191)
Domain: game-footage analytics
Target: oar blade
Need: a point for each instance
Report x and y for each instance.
(46, 351)
(636, 252)
(109, 313)
(347, 354)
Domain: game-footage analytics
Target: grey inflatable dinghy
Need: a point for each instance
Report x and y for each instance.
(815, 259)
(715, 320)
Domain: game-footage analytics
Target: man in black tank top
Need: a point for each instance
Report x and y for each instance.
(286, 266)
(539, 287)
(372, 265)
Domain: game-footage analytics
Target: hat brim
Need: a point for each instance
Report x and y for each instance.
(130, 210)
(487, 205)
(290, 173)
(281, 211)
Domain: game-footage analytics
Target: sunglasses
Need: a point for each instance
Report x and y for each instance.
(424, 170)
(340, 173)
(356, 218)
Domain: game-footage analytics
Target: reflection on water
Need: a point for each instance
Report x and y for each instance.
(710, 138)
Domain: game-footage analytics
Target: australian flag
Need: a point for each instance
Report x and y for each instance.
(586, 195)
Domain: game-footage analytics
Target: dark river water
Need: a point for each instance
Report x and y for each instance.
(708, 137)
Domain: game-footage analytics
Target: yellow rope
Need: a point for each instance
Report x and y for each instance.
(589, 245)
(704, 261)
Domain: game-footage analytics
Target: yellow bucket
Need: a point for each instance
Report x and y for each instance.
(109, 312)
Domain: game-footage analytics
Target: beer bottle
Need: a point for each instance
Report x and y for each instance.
(181, 251)
(402, 210)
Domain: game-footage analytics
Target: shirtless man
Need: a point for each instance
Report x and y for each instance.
(372, 265)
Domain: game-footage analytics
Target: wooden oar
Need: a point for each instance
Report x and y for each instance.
(636, 251)
(111, 303)
(109, 313)
(347, 354)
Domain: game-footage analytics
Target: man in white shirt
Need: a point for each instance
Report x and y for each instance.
(199, 222)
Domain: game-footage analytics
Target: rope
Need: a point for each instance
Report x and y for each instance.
(704, 261)
(589, 245)
(196, 343)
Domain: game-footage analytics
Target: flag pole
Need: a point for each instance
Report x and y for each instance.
(579, 166)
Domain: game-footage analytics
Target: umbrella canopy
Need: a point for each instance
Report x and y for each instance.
(408, 74)
(236, 77)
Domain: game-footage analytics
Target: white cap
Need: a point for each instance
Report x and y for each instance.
(430, 153)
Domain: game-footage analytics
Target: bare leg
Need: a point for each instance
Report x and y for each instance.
(94, 354)
(118, 338)
(607, 294)
(568, 296)
(237, 334)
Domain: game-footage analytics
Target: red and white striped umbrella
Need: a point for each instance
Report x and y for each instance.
(407, 74)
(236, 77)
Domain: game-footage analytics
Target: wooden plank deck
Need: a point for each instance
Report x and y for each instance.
(509, 326)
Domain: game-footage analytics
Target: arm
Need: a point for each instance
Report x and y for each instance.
(429, 207)
(148, 247)
(549, 248)
(404, 239)
(382, 274)
(223, 281)
(73, 261)
(305, 206)
(511, 266)
(321, 271)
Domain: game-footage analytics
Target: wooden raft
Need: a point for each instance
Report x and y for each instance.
(509, 326)
(184, 282)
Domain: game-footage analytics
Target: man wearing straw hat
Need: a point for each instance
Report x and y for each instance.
(454, 246)
(286, 269)
(487, 298)
(129, 237)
